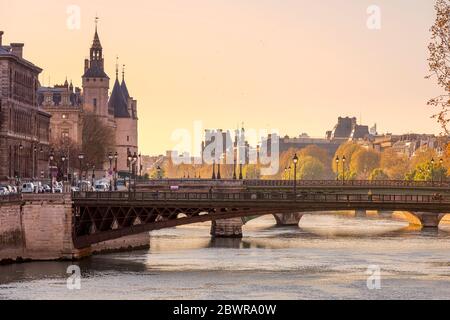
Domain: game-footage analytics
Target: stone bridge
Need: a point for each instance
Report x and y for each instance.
(100, 217)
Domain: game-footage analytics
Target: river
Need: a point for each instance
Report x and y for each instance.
(327, 257)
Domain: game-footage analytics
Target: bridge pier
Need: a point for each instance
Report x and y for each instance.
(288, 219)
(429, 219)
(227, 228)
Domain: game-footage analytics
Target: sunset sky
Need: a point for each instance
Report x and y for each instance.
(290, 65)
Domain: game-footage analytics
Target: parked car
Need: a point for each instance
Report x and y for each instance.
(4, 191)
(102, 187)
(28, 187)
(46, 188)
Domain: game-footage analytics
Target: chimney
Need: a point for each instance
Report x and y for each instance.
(1, 35)
(17, 49)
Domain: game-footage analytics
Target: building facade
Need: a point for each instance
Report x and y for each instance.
(65, 105)
(24, 126)
(117, 110)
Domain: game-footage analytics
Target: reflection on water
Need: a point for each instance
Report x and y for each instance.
(326, 257)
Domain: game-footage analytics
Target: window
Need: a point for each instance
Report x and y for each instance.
(128, 138)
(95, 105)
(65, 134)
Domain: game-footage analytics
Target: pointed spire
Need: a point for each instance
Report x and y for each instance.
(123, 73)
(117, 67)
(96, 43)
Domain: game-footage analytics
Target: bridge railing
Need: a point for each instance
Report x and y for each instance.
(356, 183)
(300, 183)
(258, 196)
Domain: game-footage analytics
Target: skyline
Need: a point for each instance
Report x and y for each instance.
(224, 74)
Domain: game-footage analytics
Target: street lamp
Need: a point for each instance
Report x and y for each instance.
(34, 162)
(140, 166)
(289, 169)
(135, 158)
(285, 172)
(295, 160)
(110, 157)
(63, 160)
(116, 156)
(19, 174)
(432, 171)
(93, 175)
(441, 163)
(129, 158)
(343, 169)
(80, 159)
(337, 168)
(51, 157)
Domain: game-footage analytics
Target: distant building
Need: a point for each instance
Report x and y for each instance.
(24, 126)
(348, 128)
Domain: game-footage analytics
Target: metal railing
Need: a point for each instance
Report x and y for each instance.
(259, 197)
(299, 183)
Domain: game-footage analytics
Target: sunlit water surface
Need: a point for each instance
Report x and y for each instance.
(326, 258)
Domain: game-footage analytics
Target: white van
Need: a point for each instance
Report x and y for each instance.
(28, 188)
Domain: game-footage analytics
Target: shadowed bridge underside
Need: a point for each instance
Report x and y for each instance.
(100, 217)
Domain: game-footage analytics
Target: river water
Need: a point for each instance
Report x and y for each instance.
(327, 257)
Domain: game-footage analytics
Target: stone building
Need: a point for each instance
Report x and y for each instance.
(64, 103)
(117, 111)
(24, 126)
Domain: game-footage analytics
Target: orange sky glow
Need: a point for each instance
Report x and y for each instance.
(290, 65)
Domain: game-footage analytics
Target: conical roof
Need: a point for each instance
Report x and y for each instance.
(118, 102)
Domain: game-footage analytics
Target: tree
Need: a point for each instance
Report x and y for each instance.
(98, 140)
(378, 174)
(67, 148)
(311, 168)
(439, 61)
(363, 162)
(393, 164)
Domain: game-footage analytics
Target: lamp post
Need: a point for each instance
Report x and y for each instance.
(19, 174)
(285, 172)
(80, 159)
(34, 162)
(129, 158)
(337, 168)
(344, 160)
(63, 160)
(116, 156)
(51, 157)
(93, 175)
(110, 158)
(140, 166)
(441, 163)
(295, 160)
(135, 159)
(432, 171)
